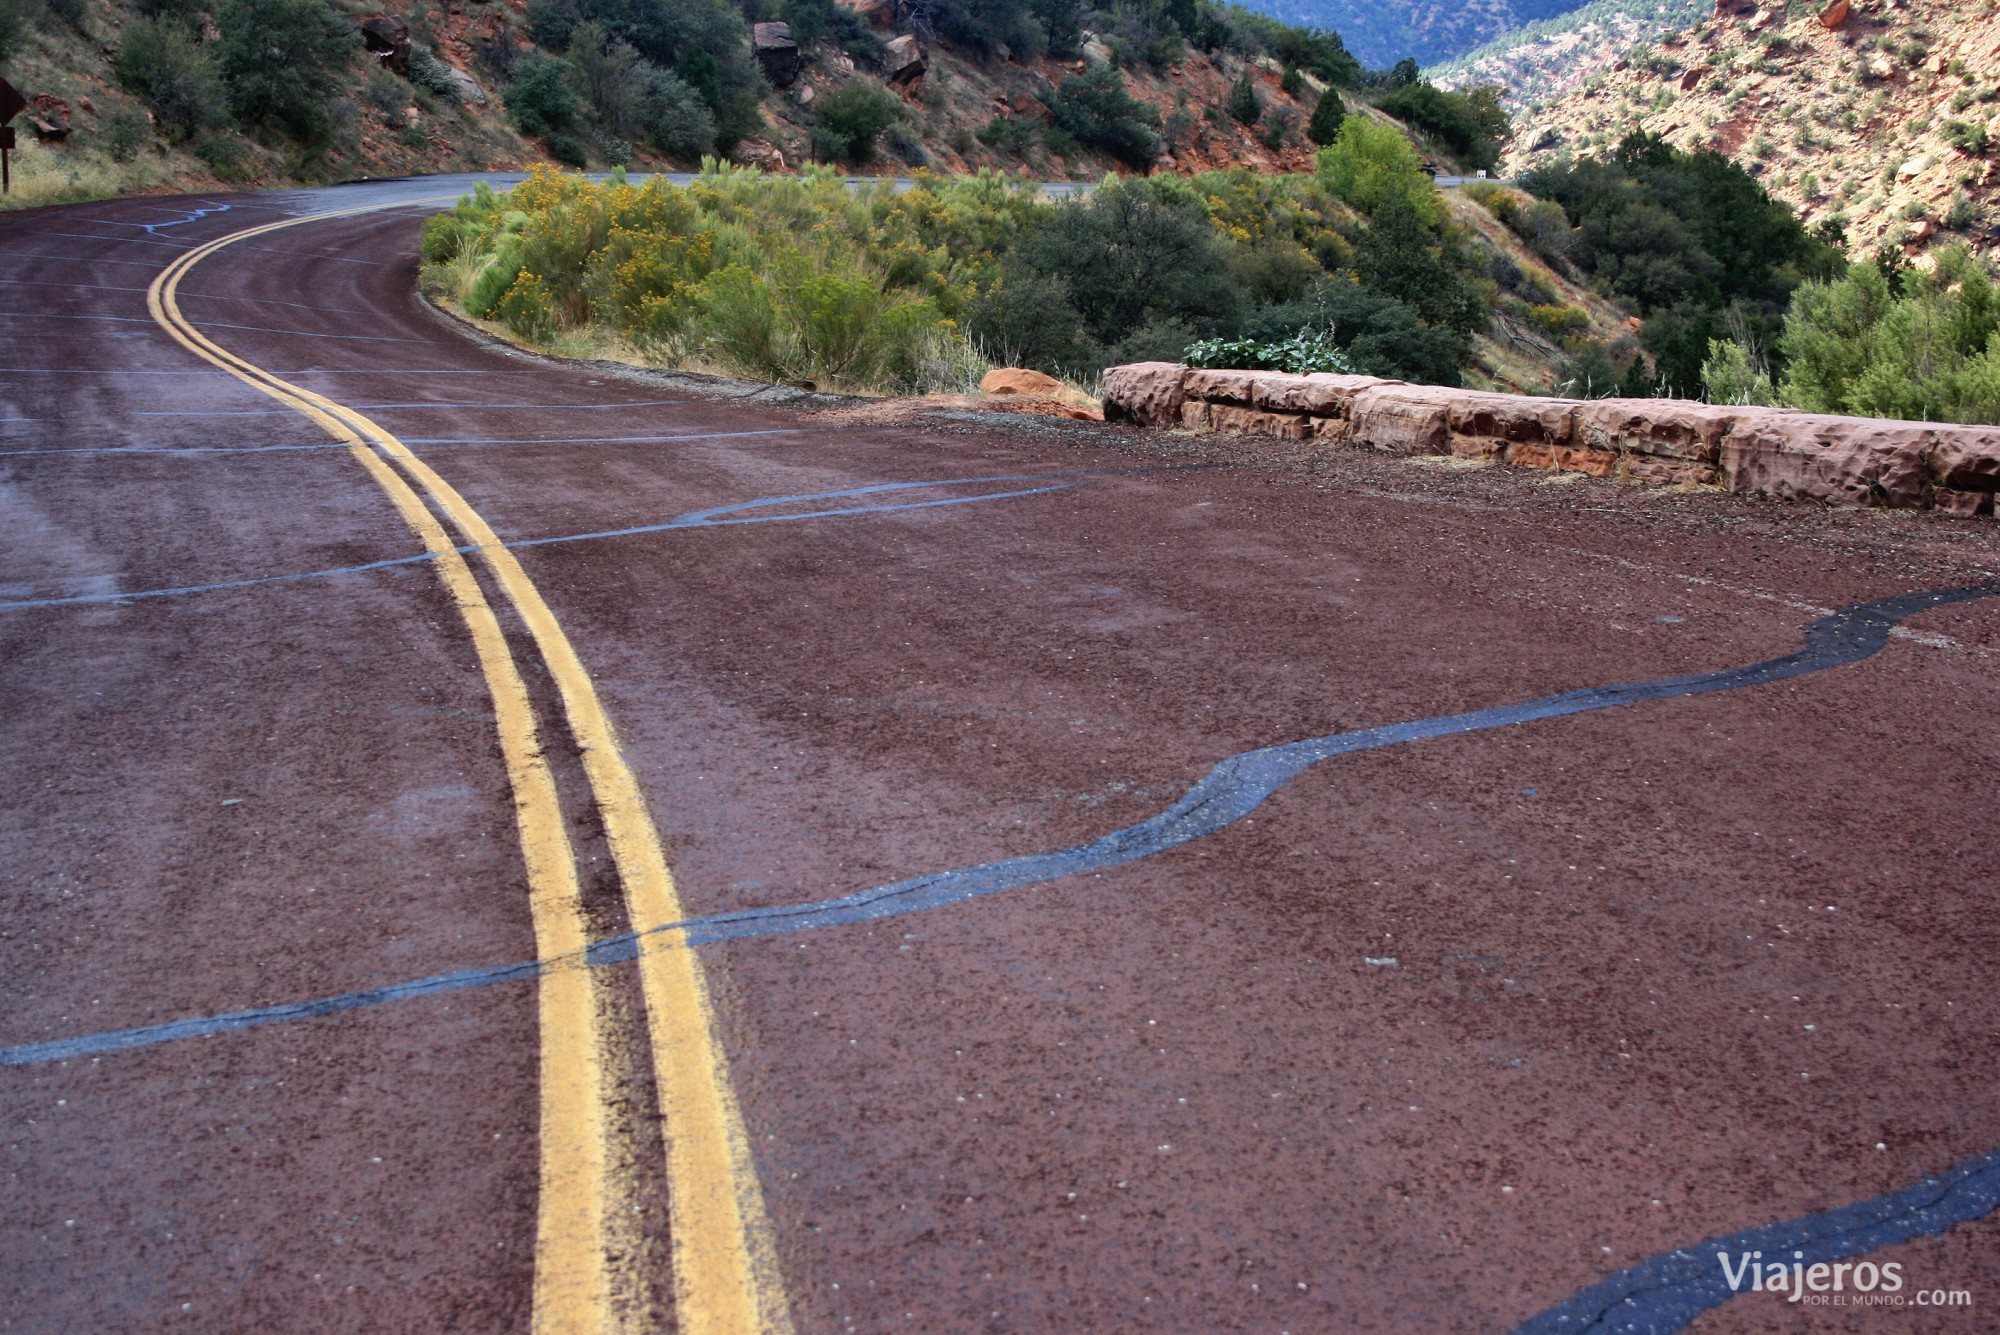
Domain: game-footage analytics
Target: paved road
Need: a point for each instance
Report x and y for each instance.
(948, 936)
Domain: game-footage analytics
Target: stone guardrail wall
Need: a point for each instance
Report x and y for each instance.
(1771, 452)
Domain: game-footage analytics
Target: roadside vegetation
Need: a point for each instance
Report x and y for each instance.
(1688, 242)
(810, 279)
(1886, 340)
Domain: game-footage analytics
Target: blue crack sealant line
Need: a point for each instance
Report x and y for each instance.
(1670, 1290)
(1231, 790)
(1660, 1295)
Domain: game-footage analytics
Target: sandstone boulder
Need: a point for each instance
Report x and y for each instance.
(1255, 422)
(1964, 504)
(1321, 394)
(467, 86)
(1490, 426)
(778, 53)
(1665, 428)
(903, 60)
(759, 153)
(49, 117)
(1967, 458)
(1015, 380)
(1233, 387)
(1837, 460)
(1402, 419)
(1148, 393)
(387, 38)
(1835, 15)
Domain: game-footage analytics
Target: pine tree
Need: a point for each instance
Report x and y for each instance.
(1324, 127)
(1243, 102)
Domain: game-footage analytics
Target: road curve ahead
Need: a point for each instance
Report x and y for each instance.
(494, 845)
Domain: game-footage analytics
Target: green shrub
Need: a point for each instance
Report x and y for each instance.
(160, 63)
(673, 116)
(852, 119)
(1094, 108)
(1971, 140)
(278, 60)
(1243, 103)
(1025, 318)
(817, 21)
(1732, 376)
(1921, 346)
(431, 74)
(1328, 115)
(125, 133)
(15, 24)
(1007, 134)
(1559, 322)
(1302, 354)
(542, 101)
(1369, 163)
(1277, 129)
(491, 283)
(1131, 260)
(528, 309)
(224, 154)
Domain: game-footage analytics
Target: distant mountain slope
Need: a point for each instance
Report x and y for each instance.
(1382, 32)
(1882, 121)
(1548, 58)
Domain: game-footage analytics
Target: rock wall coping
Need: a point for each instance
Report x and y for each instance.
(1773, 452)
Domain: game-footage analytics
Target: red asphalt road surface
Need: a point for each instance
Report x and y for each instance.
(1437, 1037)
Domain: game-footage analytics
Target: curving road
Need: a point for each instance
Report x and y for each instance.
(494, 845)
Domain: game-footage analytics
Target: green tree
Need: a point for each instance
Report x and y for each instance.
(1368, 162)
(1401, 254)
(1930, 353)
(852, 119)
(1095, 108)
(278, 60)
(542, 101)
(1243, 102)
(674, 117)
(1141, 271)
(1466, 128)
(1732, 376)
(1691, 239)
(1328, 114)
(161, 64)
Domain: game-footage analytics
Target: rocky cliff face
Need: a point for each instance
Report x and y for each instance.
(1882, 116)
(1545, 60)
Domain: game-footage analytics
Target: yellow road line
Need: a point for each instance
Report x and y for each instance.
(726, 1279)
(572, 1289)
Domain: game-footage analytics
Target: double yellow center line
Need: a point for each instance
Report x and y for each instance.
(726, 1277)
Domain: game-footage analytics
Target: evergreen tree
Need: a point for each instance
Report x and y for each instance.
(1327, 117)
(1243, 102)
(278, 59)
